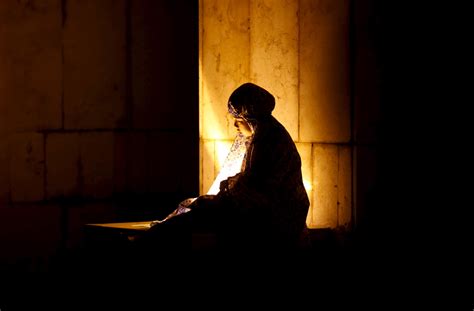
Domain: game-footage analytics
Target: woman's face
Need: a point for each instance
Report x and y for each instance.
(243, 127)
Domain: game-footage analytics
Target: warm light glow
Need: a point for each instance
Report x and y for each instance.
(232, 163)
(213, 114)
(222, 150)
(307, 185)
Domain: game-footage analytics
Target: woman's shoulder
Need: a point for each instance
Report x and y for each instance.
(274, 138)
(278, 130)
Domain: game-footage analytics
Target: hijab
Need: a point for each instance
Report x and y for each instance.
(251, 102)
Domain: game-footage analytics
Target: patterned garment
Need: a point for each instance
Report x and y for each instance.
(233, 162)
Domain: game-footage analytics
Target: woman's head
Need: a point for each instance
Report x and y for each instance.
(251, 102)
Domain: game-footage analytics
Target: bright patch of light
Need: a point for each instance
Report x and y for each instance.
(232, 163)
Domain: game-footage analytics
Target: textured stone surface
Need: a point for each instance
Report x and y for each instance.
(94, 64)
(155, 67)
(121, 157)
(27, 167)
(344, 187)
(325, 185)
(151, 65)
(274, 56)
(96, 168)
(165, 161)
(131, 162)
(224, 61)
(62, 165)
(72, 158)
(30, 65)
(207, 165)
(324, 71)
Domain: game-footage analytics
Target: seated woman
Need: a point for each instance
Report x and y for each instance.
(264, 206)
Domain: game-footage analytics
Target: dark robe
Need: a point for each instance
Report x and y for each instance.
(266, 204)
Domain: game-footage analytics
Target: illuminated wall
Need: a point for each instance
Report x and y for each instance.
(299, 51)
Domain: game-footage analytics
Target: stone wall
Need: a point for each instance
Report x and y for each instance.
(303, 52)
(98, 111)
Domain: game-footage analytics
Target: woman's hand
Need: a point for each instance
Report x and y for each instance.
(182, 208)
(186, 203)
(229, 183)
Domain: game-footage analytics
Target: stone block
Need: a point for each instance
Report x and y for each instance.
(62, 165)
(96, 168)
(94, 64)
(324, 71)
(344, 187)
(155, 82)
(166, 156)
(27, 167)
(208, 172)
(30, 65)
(131, 162)
(224, 62)
(274, 56)
(325, 183)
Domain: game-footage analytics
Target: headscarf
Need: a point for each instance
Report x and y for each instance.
(251, 102)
